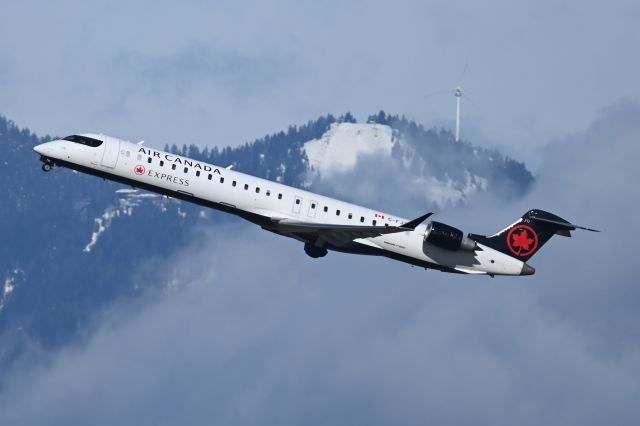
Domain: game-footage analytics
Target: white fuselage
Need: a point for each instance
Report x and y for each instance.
(253, 197)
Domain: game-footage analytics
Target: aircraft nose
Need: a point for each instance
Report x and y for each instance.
(40, 148)
(45, 149)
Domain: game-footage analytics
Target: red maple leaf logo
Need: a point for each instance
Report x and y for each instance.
(139, 170)
(522, 240)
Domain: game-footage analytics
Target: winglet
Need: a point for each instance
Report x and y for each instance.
(415, 222)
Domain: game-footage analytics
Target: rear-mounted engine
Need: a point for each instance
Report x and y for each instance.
(448, 237)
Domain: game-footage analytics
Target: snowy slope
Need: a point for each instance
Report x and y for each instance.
(340, 147)
(338, 152)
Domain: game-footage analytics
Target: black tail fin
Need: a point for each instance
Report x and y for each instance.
(525, 237)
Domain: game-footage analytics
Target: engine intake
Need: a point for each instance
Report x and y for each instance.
(448, 237)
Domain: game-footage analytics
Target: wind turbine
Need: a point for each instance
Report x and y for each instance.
(457, 92)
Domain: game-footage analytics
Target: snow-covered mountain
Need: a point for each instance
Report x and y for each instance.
(340, 154)
(71, 240)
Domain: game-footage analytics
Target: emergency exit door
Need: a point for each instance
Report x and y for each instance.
(297, 203)
(313, 206)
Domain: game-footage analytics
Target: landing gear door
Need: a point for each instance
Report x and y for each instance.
(111, 150)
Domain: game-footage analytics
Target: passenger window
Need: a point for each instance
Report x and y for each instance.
(221, 180)
(350, 215)
(374, 222)
(197, 172)
(279, 196)
(257, 190)
(297, 200)
(246, 186)
(139, 157)
(268, 192)
(233, 183)
(128, 154)
(210, 176)
(326, 209)
(313, 205)
(186, 169)
(149, 160)
(173, 166)
(161, 163)
(362, 219)
(337, 212)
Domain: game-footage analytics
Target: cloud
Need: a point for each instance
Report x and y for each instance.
(591, 178)
(354, 340)
(249, 330)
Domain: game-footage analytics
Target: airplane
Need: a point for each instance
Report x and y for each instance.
(320, 222)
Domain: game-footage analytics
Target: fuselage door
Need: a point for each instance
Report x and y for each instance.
(111, 150)
(313, 206)
(297, 203)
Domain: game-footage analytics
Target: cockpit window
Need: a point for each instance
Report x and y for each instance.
(84, 140)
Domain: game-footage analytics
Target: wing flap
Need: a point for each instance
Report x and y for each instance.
(343, 234)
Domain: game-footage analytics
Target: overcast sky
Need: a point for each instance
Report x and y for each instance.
(218, 73)
(261, 334)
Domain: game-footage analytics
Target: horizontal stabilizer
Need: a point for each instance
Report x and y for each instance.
(564, 225)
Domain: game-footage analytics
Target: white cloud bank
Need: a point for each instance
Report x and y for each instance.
(256, 333)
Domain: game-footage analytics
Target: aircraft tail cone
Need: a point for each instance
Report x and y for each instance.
(527, 270)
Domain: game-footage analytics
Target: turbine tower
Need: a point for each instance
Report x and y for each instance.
(458, 94)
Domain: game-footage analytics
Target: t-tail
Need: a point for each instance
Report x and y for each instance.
(526, 236)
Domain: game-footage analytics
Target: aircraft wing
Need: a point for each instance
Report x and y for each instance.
(342, 234)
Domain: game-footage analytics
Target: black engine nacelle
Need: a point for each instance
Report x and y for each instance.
(448, 237)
